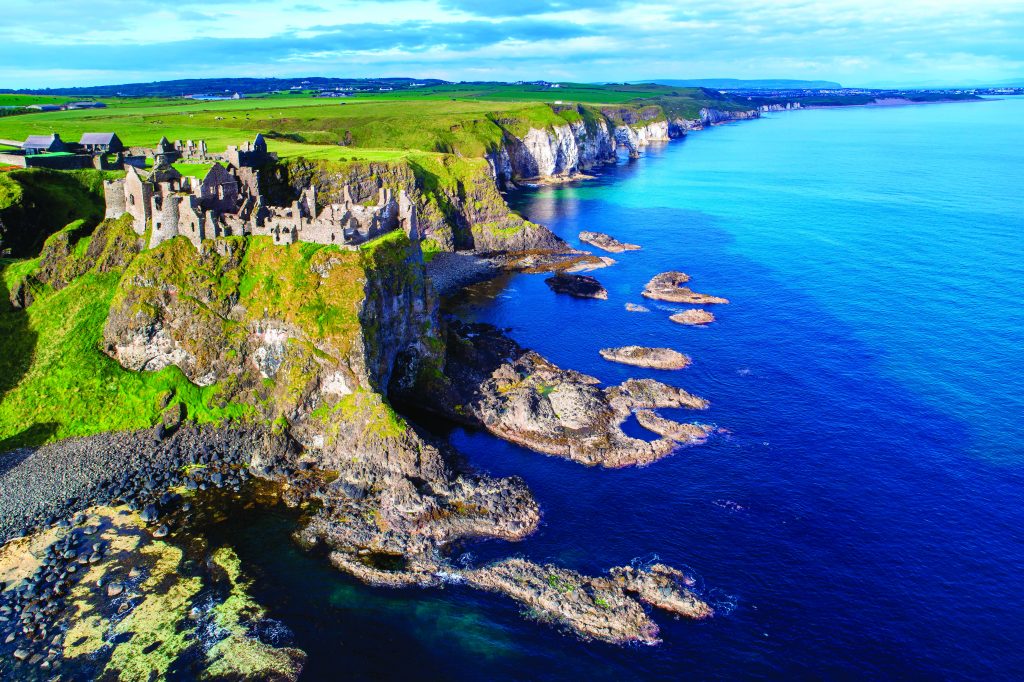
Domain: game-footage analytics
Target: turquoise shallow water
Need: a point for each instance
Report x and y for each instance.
(863, 517)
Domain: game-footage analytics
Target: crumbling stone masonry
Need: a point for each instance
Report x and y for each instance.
(227, 202)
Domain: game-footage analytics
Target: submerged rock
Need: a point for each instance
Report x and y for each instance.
(164, 621)
(641, 356)
(580, 286)
(606, 242)
(668, 286)
(551, 261)
(637, 308)
(693, 317)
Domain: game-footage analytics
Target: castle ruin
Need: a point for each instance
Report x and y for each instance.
(227, 201)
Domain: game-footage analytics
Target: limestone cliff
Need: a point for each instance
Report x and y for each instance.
(588, 137)
(678, 126)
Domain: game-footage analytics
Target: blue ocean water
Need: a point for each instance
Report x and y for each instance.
(864, 514)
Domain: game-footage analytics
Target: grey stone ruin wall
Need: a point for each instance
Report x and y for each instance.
(113, 194)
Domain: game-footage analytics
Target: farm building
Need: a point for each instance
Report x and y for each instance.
(101, 143)
(39, 144)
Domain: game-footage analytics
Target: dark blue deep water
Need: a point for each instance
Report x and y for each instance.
(864, 516)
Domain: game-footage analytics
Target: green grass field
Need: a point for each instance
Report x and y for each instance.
(457, 119)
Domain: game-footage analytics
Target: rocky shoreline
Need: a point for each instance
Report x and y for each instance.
(450, 272)
(41, 486)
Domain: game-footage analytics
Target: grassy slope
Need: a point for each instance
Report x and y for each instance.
(36, 202)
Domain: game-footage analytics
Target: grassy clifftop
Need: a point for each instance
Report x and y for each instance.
(466, 119)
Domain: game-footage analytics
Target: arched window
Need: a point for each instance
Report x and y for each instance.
(131, 199)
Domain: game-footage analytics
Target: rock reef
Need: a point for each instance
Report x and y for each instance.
(668, 286)
(580, 286)
(606, 242)
(641, 356)
(604, 608)
(693, 317)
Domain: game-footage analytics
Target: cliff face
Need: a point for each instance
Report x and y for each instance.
(679, 127)
(587, 139)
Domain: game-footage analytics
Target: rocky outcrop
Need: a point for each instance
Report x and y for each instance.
(677, 431)
(668, 286)
(693, 317)
(635, 138)
(641, 356)
(311, 341)
(604, 608)
(534, 262)
(518, 395)
(606, 242)
(579, 286)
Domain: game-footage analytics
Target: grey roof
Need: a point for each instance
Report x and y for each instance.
(98, 138)
(44, 141)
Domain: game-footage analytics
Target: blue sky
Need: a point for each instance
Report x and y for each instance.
(856, 42)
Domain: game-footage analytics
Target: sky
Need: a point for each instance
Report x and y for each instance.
(62, 43)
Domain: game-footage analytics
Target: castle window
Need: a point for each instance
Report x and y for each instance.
(220, 191)
(131, 199)
(158, 226)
